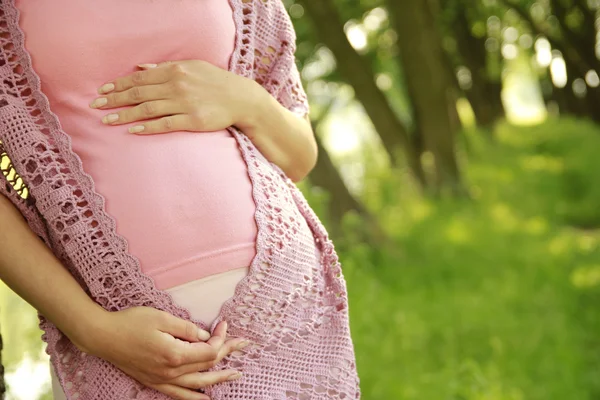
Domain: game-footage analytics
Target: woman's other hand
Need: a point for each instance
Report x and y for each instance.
(161, 351)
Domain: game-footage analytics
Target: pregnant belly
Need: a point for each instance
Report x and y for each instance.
(182, 200)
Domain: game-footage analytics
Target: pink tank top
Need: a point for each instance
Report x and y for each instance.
(196, 215)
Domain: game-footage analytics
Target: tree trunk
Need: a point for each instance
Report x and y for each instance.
(423, 60)
(485, 95)
(486, 102)
(358, 72)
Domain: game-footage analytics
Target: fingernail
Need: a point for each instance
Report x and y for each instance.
(235, 376)
(147, 65)
(202, 334)
(107, 87)
(99, 102)
(242, 344)
(107, 119)
(225, 325)
(138, 129)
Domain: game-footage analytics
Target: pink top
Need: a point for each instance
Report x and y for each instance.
(196, 217)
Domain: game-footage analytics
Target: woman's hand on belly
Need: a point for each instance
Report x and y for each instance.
(163, 352)
(190, 95)
(194, 95)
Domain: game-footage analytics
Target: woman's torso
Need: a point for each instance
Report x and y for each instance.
(183, 200)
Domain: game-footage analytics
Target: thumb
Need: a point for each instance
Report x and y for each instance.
(183, 329)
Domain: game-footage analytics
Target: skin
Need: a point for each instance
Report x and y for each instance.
(193, 95)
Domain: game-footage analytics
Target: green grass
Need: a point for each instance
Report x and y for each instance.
(493, 298)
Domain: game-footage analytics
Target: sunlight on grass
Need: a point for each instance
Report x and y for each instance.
(588, 243)
(535, 226)
(420, 210)
(586, 276)
(458, 231)
(542, 163)
(503, 216)
(560, 245)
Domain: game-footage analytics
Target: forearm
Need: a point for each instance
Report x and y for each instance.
(283, 137)
(29, 268)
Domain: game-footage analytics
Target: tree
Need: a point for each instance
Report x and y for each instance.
(358, 72)
(431, 91)
(484, 93)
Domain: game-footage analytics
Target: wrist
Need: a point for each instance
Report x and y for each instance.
(90, 330)
(255, 105)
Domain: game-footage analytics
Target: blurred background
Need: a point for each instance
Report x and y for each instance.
(458, 175)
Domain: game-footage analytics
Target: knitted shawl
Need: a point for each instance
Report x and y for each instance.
(292, 305)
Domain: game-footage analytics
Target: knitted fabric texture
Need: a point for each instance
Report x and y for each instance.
(292, 306)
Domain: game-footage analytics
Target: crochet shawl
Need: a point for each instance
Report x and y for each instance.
(292, 305)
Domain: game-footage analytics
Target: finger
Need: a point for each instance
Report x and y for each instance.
(144, 111)
(219, 335)
(193, 353)
(170, 123)
(152, 76)
(179, 393)
(229, 347)
(199, 380)
(182, 329)
(135, 95)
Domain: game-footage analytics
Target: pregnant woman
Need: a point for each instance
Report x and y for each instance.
(147, 150)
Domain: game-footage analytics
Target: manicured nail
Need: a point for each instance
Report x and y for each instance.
(147, 65)
(107, 119)
(235, 376)
(242, 344)
(107, 87)
(202, 334)
(99, 102)
(138, 129)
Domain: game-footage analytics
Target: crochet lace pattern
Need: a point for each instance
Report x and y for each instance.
(293, 304)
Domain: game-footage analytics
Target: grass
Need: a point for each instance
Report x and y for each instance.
(494, 298)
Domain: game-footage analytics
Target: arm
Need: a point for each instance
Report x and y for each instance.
(140, 341)
(285, 138)
(29, 268)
